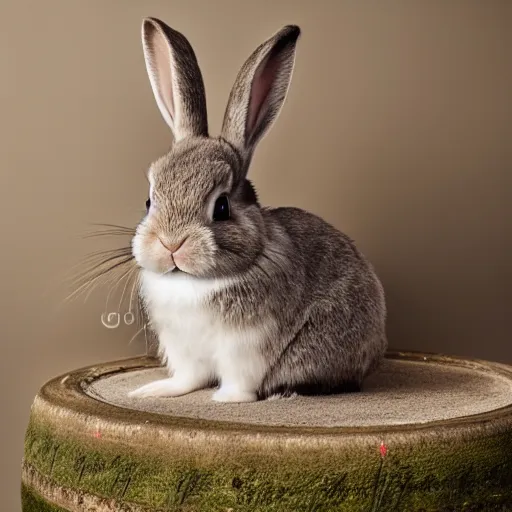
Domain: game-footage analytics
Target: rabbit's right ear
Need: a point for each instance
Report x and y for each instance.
(260, 90)
(175, 78)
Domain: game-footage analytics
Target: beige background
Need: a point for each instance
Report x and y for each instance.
(397, 130)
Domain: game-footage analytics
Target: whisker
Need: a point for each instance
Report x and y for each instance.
(108, 232)
(113, 268)
(110, 251)
(117, 283)
(117, 264)
(99, 256)
(110, 279)
(141, 319)
(87, 275)
(116, 226)
(136, 334)
(131, 272)
(97, 260)
(94, 278)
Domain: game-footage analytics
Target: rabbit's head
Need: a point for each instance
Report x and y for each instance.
(203, 216)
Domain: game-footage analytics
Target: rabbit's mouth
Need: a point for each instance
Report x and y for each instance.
(176, 271)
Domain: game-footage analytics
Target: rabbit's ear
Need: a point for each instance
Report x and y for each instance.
(260, 90)
(175, 78)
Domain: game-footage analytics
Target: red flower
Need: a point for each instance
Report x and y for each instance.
(383, 449)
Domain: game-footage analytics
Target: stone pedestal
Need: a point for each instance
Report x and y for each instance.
(427, 433)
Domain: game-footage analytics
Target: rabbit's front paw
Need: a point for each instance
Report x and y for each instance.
(230, 394)
(162, 388)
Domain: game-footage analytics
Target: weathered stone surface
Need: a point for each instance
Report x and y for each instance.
(82, 453)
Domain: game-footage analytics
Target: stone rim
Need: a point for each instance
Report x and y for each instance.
(67, 392)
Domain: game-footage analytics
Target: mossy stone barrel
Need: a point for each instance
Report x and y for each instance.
(427, 433)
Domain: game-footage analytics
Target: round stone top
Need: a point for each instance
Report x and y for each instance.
(425, 433)
(406, 389)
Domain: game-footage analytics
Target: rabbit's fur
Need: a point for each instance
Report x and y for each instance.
(271, 300)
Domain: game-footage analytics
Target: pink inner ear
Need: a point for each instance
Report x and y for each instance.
(262, 84)
(163, 67)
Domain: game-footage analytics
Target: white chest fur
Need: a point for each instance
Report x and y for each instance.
(197, 345)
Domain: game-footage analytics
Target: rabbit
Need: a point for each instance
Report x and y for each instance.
(255, 301)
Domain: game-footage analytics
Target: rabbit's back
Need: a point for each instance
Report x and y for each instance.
(331, 261)
(339, 334)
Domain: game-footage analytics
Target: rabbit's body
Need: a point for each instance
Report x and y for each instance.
(274, 328)
(257, 300)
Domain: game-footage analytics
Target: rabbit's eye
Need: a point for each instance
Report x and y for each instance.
(148, 204)
(221, 209)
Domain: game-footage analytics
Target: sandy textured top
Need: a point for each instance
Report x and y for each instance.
(401, 392)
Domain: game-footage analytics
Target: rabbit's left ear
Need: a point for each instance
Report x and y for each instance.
(175, 78)
(260, 90)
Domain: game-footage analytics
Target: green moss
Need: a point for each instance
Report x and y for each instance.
(31, 502)
(431, 477)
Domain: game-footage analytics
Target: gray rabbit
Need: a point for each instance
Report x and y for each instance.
(259, 301)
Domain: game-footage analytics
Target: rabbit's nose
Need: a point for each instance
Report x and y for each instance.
(172, 247)
(181, 255)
